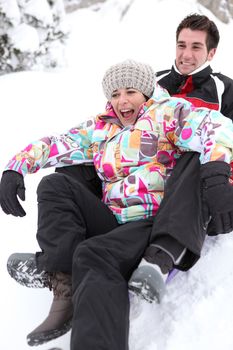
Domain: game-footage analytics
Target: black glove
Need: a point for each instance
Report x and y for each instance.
(11, 186)
(217, 195)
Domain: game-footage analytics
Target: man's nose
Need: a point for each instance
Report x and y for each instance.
(187, 53)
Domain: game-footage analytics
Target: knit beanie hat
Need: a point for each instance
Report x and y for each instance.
(129, 74)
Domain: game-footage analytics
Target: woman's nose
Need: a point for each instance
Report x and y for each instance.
(123, 98)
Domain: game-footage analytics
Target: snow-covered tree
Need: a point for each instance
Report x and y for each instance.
(73, 5)
(222, 9)
(32, 34)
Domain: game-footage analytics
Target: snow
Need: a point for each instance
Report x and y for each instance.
(40, 10)
(197, 311)
(25, 38)
(10, 7)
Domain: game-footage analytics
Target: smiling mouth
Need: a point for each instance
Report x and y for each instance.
(127, 113)
(186, 64)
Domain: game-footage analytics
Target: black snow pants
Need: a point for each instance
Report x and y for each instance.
(75, 227)
(70, 219)
(102, 265)
(69, 211)
(180, 213)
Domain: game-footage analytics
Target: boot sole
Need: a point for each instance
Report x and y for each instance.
(44, 337)
(148, 284)
(26, 275)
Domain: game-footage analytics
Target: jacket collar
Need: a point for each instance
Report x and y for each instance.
(109, 116)
(176, 80)
(159, 95)
(199, 69)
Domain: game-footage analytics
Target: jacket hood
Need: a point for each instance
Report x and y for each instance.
(159, 95)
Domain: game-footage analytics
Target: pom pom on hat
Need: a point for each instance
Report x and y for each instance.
(129, 74)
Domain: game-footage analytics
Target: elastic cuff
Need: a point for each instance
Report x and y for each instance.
(170, 246)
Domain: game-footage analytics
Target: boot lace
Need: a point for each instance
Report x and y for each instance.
(60, 284)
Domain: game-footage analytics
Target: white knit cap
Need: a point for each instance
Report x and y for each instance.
(129, 74)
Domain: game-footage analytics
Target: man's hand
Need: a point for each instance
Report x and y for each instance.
(11, 186)
(217, 196)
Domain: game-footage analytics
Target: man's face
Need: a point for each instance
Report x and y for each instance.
(191, 50)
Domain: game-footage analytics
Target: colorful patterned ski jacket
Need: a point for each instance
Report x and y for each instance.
(134, 162)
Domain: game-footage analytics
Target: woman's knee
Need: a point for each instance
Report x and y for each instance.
(56, 183)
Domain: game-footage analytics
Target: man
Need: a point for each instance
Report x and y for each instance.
(191, 77)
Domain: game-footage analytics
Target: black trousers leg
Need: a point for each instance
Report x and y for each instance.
(86, 175)
(68, 213)
(179, 215)
(102, 266)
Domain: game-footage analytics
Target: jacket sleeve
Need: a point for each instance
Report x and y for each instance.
(199, 129)
(72, 147)
(227, 100)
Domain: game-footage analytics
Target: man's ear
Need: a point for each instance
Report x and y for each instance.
(211, 54)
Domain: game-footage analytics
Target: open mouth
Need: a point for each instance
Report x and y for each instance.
(127, 113)
(186, 64)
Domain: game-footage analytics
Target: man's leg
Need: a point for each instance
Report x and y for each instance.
(177, 235)
(102, 267)
(178, 223)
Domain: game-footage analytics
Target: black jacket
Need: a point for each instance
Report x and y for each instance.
(203, 89)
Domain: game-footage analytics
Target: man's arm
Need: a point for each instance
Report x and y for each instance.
(227, 96)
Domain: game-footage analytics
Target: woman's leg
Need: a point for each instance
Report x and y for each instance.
(23, 266)
(85, 174)
(102, 267)
(68, 213)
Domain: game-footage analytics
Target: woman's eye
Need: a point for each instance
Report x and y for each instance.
(131, 91)
(114, 95)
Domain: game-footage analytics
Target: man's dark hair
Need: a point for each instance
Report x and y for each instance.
(203, 23)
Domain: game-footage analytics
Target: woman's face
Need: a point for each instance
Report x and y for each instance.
(126, 104)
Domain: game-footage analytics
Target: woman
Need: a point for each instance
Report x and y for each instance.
(134, 146)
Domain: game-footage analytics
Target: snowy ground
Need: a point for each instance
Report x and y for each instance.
(197, 312)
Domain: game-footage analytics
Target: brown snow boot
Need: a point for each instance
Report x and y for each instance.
(58, 321)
